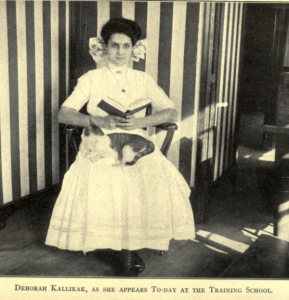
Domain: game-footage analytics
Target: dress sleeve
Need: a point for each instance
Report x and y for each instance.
(160, 99)
(81, 93)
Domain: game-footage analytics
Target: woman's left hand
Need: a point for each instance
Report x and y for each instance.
(130, 123)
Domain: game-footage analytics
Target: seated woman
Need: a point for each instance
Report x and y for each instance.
(124, 208)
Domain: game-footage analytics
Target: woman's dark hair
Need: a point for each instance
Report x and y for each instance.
(121, 25)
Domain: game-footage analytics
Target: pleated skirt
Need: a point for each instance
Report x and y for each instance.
(133, 207)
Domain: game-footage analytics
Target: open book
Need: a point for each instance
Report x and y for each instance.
(113, 107)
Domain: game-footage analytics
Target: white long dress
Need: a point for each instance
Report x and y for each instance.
(101, 206)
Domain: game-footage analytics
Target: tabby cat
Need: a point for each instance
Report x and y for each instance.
(124, 148)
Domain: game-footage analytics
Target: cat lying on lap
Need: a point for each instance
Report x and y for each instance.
(123, 148)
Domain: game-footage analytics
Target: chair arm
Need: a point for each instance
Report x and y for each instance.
(170, 128)
(70, 128)
(70, 131)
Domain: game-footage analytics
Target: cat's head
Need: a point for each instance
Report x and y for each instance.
(93, 128)
(95, 144)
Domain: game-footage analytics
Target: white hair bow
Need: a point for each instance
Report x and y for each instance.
(98, 51)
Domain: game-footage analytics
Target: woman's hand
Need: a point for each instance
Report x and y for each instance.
(111, 122)
(164, 116)
(130, 123)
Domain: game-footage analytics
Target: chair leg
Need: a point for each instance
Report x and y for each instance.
(66, 151)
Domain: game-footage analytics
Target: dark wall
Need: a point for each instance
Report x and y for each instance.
(257, 57)
(264, 48)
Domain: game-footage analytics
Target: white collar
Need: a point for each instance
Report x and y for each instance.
(117, 69)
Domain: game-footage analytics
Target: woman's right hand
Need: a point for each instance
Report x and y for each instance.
(111, 122)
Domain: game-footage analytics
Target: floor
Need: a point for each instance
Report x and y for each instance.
(267, 257)
(239, 214)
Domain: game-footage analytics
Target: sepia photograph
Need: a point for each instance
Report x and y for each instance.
(143, 149)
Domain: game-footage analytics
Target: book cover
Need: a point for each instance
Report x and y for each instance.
(113, 107)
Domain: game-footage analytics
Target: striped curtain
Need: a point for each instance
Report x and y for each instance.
(36, 55)
(33, 80)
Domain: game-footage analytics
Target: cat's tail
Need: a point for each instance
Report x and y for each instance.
(148, 150)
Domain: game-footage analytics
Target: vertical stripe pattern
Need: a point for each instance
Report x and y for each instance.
(31, 105)
(190, 90)
(226, 86)
(197, 95)
(66, 39)
(34, 71)
(39, 49)
(47, 91)
(231, 86)
(14, 95)
(141, 18)
(237, 61)
(164, 53)
(55, 90)
(62, 78)
(39, 84)
(128, 13)
(220, 104)
(6, 164)
(103, 15)
(176, 75)
(115, 9)
(153, 36)
(231, 32)
(22, 97)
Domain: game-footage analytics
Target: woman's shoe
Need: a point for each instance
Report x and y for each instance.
(131, 262)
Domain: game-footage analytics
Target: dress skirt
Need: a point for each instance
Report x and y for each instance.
(101, 206)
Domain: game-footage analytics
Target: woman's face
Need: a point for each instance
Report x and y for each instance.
(119, 48)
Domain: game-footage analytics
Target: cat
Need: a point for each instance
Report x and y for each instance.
(124, 148)
(95, 145)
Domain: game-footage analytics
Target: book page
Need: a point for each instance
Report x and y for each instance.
(115, 103)
(138, 103)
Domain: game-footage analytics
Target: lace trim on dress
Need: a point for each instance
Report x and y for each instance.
(109, 226)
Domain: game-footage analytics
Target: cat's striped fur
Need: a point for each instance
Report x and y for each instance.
(138, 144)
(129, 147)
